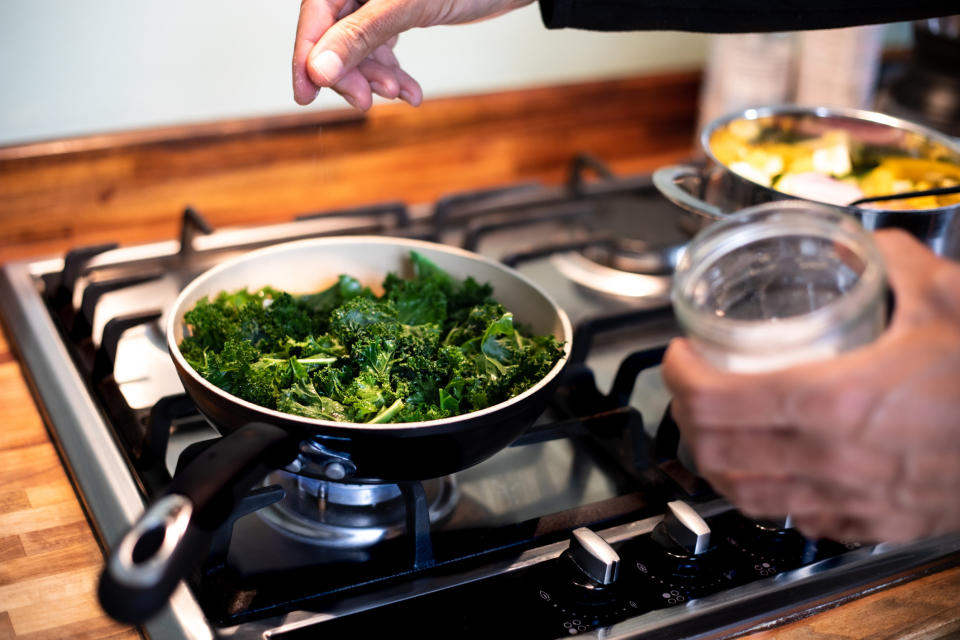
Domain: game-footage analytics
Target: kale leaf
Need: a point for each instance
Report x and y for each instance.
(430, 347)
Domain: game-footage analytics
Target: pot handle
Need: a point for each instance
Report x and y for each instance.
(667, 181)
(174, 533)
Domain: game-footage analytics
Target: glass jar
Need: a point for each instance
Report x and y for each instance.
(780, 284)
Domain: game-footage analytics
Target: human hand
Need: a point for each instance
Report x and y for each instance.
(348, 44)
(865, 446)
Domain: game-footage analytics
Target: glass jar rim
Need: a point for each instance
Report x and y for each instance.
(766, 221)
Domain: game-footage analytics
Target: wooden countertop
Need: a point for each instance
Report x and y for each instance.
(132, 187)
(49, 558)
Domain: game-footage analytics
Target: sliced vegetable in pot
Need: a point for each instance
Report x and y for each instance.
(835, 165)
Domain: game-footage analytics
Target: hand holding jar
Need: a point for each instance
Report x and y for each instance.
(863, 444)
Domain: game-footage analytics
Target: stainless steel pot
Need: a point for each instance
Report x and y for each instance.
(712, 190)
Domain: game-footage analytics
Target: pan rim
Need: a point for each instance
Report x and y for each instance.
(316, 425)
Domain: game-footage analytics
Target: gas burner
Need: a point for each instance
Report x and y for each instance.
(346, 515)
(635, 245)
(599, 278)
(616, 236)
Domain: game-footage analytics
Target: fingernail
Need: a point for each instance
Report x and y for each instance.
(406, 96)
(328, 65)
(378, 89)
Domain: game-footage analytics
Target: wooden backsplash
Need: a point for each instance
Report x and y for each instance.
(133, 186)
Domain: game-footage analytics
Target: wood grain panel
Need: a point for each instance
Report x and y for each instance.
(83, 629)
(49, 558)
(15, 500)
(65, 536)
(11, 547)
(21, 420)
(49, 588)
(137, 190)
(45, 563)
(925, 609)
(49, 494)
(72, 611)
(29, 466)
(6, 626)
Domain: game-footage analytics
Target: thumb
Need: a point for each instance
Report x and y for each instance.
(906, 258)
(909, 265)
(354, 37)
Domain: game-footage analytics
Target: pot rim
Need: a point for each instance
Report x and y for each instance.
(863, 115)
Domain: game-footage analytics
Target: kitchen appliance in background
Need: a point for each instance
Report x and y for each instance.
(824, 68)
(838, 67)
(587, 524)
(927, 88)
(746, 70)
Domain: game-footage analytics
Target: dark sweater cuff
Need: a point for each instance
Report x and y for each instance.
(733, 16)
(556, 13)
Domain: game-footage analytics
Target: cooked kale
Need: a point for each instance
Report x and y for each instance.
(428, 348)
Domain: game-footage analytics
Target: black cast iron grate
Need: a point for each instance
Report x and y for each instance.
(602, 424)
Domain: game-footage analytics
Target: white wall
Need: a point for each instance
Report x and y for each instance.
(74, 67)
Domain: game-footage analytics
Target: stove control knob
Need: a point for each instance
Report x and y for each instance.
(684, 527)
(593, 556)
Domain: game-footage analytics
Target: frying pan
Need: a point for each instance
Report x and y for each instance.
(172, 535)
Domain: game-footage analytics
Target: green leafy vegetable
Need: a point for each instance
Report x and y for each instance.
(430, 347)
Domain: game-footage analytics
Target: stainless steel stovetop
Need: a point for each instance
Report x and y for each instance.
(512, 545)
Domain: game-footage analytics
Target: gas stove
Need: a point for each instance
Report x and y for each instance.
(588, 524)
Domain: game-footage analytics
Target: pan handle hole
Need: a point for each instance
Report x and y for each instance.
(148, 544)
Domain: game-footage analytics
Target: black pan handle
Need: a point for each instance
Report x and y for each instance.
(173, 534)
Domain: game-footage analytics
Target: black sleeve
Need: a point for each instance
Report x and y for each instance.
(734, 16)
